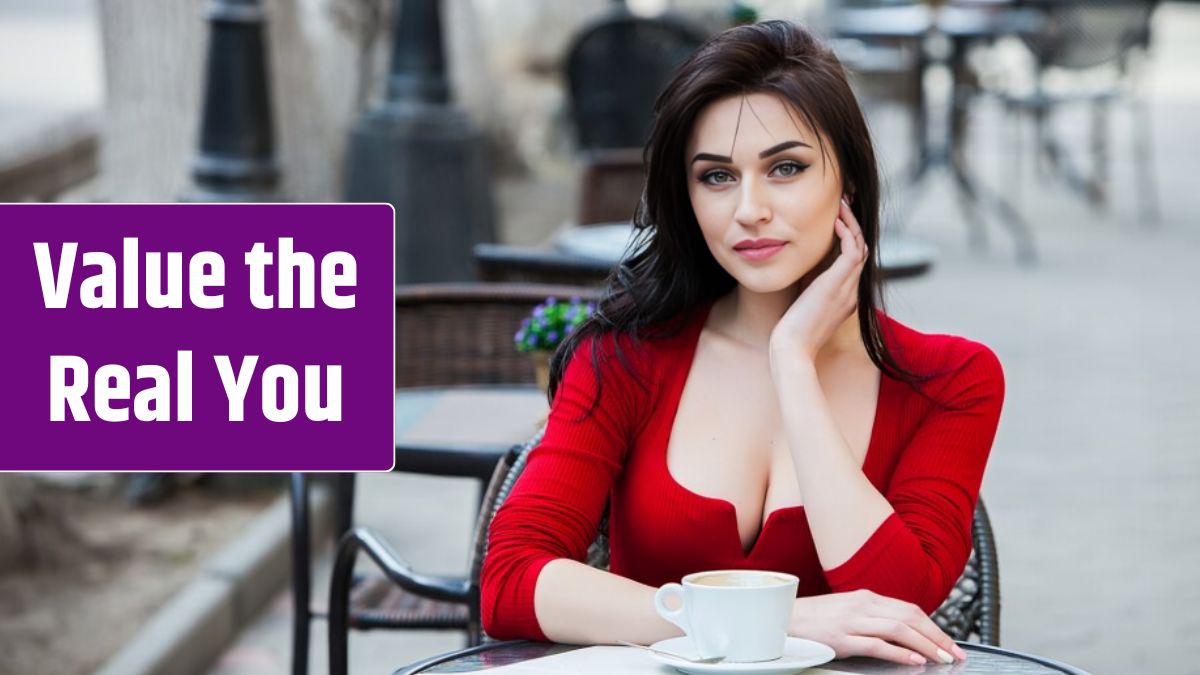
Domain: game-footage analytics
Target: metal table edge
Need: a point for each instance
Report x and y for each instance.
(438, 659)
(1050, 663)
(421, 666)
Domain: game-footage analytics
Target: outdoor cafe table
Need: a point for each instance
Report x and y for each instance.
(899, 257)
(464, 430)
(982, 660)
(963, 26)
(458, 431)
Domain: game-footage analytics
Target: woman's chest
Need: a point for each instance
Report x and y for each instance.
(729, 441)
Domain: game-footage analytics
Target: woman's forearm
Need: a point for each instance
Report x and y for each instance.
(577, 604)
(842, 506)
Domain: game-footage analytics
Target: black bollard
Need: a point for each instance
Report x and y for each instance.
(236, 159)
(420, 153)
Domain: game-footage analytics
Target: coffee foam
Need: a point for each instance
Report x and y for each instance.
(739, 579)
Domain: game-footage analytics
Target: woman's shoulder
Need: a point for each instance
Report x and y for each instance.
(943, 361)
(654, 344)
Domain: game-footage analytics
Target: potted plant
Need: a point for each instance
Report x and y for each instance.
(546, 327)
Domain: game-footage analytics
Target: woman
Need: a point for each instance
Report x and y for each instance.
(739, 401)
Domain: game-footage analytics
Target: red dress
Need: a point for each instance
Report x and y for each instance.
(926, 459)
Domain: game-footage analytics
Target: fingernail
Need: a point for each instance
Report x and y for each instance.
(958, 651)
(945, 656)
(917, 659)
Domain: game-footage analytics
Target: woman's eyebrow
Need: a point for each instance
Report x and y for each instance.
(773, 150)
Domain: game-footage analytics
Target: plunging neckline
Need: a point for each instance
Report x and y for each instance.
(675, 395)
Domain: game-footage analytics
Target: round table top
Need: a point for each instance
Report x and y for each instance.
(981, 660)
(899, 256)
(501, 416)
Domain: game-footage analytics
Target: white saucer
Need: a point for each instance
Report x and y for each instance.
(798, 654)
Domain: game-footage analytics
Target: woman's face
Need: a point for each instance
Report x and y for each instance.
(764, 195)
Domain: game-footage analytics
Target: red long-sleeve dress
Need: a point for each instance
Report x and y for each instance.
(926, 459)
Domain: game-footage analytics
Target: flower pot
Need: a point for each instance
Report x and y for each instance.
(541, 366)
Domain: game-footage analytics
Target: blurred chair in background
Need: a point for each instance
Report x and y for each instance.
(611, 186)
(462, 334)
(1089, 53)
(615, 68)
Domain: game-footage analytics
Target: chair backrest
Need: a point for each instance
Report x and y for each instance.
(616, 67)
(1081, 34)
(970, 612)
(611, 186)
(449, 334)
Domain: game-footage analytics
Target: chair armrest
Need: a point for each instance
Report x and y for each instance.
(395, 568)
(446, 460)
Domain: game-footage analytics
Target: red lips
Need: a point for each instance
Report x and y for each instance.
(757, 243)
(758, 249)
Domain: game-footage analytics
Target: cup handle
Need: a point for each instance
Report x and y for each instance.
(675, 616)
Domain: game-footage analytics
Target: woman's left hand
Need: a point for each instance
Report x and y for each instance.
(862, 623)
(828, 300)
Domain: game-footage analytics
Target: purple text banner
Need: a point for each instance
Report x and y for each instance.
(198, 337)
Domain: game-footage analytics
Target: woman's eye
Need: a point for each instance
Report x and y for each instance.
(716, 177)
(788, 169)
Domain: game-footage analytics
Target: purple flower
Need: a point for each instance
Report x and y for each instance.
(552, 337)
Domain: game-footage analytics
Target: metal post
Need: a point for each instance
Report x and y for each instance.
(418, 71)
(420, 153)
(236, 159)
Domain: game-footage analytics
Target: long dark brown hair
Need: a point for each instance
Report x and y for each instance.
(673, 272)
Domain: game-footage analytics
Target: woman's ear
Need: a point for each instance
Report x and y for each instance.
(848, 193)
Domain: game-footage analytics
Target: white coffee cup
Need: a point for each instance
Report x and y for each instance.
(741, 615)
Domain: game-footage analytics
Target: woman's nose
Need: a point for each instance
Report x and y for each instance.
(753, 208)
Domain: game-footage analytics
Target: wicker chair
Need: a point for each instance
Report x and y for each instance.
(970, 613)
(611, 185)
(446, 334)
(615, 69)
